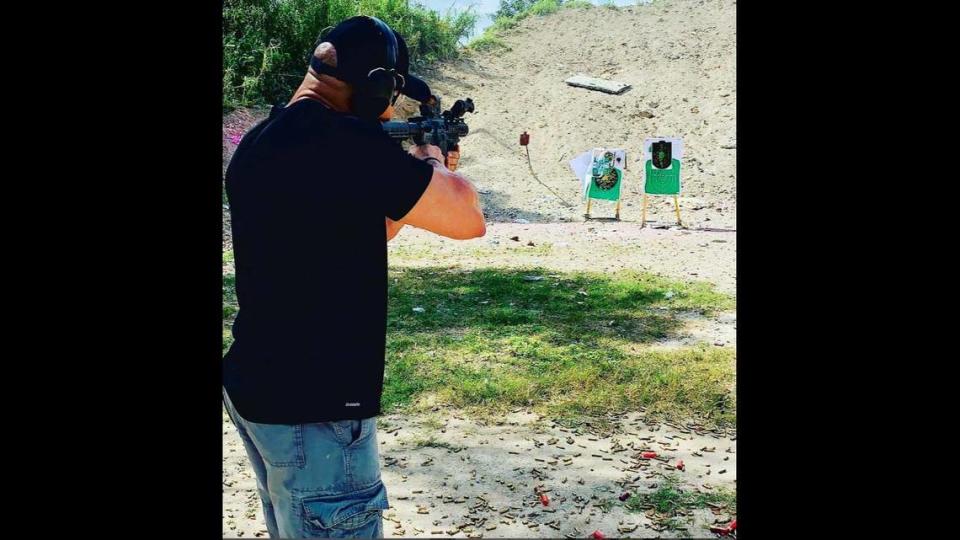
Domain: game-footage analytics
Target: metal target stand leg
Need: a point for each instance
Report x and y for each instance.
(643, 212)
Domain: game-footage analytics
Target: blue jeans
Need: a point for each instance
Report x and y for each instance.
(319, 480)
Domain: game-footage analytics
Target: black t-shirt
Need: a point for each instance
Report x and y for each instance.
(308, 190)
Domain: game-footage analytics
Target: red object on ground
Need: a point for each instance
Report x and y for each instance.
(680, 464)
(524, 139)
(598, 535)
(544, 499)
(649, 455)
(723, 531)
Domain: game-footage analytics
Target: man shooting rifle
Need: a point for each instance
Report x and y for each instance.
(316, 191)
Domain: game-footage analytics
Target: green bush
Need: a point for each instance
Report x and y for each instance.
(512, 8)
(488, 42)
(521, 8)
(545, 7)
(267, 43)
(511, 12)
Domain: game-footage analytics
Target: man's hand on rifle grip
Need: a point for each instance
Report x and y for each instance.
(453, 157)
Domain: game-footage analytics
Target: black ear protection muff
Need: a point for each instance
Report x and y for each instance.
(372, 93)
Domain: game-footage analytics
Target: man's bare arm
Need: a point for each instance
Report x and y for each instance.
(449, 206)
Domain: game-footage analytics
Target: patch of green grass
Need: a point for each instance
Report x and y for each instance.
(545, 7)
(670, 497)
(432, 442)
(406, 380)
(494, 339)
(571, 346)
(230, 308)
(488, 42)
(501, 24)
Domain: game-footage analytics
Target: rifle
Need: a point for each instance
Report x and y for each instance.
(443, 129)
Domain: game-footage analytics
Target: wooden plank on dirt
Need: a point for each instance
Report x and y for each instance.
(593, 83)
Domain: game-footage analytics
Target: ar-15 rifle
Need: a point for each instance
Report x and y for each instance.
(443, 129)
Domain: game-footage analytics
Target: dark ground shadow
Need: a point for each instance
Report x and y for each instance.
(560, 307)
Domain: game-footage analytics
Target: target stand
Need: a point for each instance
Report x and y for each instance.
(661, 170)
(604, 178)
(643, 212)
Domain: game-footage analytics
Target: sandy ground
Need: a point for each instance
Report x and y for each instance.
(480, 478)
(679, 57)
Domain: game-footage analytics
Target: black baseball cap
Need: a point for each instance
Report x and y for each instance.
(366, 43)
(413, 87)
